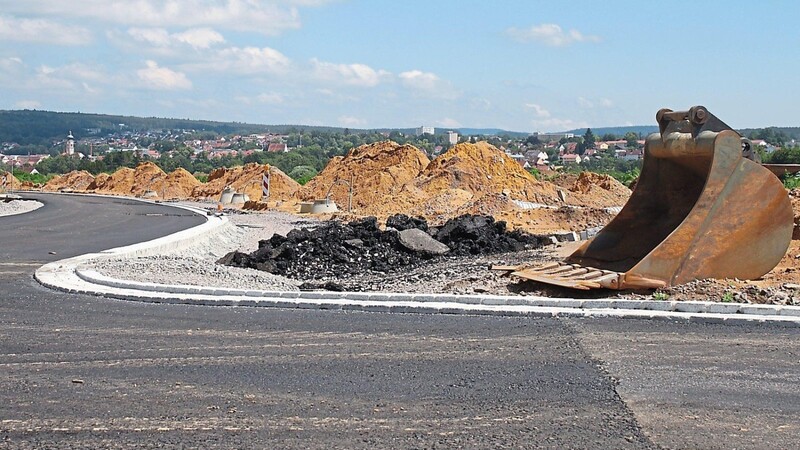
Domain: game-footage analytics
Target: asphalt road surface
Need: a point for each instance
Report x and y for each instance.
(88, 372)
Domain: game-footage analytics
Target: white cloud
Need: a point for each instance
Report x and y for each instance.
(448, 122)
(540, 112)
(197, 38)
(271, 98)
(351, 121)
(248, 60)
(352, 74)
(584, 103)
(588, 104)
(162, 78)
(550, 34)
(270, 17)
(42, 31)
(428, 84)
(27, 104)
(11, 64)
(555, 125)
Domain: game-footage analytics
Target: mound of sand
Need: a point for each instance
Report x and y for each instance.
(9, 181)
(77, 180)
(247, 179)
(598, 191)
(119, 183)
(377, 172)
(483, 169)
(178, 184)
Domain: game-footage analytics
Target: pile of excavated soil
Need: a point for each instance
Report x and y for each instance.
(483, 169)
(146, 177)
(598, 191)
(118, 183)
(178, 184)
(9, 181)
(247, 179)
(336, 250)
(794, 197)
(77, 180)
(389, 178)
(377, 172)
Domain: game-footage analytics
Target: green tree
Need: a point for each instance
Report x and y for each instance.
(631, 138)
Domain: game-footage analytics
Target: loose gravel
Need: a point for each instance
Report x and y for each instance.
(18, 207)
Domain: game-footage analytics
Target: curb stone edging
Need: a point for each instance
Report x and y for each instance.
(67, 275)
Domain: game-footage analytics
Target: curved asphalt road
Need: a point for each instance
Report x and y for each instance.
(88, 372)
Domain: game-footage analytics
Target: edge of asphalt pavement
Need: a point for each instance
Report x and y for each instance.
(67, 275)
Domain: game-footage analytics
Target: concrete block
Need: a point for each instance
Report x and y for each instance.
(596, 304)
(657, 305)
(763, 310)
(722, 308)
(793, 311)
(690, 307)
(491, 300)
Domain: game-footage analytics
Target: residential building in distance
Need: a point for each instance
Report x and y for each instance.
(425, 130)
(452, 137)
(277, 147)
(547, 137)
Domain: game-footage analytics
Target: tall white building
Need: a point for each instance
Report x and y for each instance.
(70, 150)
(424, 130)
(452, 137)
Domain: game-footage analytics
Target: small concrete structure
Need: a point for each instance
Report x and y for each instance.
(227, 195)
(323, 206)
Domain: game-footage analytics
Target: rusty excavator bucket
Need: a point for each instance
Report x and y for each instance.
(703, 208)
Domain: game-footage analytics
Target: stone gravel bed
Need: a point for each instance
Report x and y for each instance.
(18, 207)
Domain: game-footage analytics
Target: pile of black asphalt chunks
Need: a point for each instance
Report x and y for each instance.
(336, 250)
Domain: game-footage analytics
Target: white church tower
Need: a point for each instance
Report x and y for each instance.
(70, 150)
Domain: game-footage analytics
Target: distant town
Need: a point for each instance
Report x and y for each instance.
(303, 153)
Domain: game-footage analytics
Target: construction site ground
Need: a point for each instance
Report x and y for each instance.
(441, 275)
(386, 179)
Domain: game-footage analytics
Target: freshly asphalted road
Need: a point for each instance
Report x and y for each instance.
(88, 372)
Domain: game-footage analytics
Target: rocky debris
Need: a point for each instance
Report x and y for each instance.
(419, 241)
(402, 222)
(336, 250)
(474, 235)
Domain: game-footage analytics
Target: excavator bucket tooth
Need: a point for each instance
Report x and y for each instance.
(702, 208)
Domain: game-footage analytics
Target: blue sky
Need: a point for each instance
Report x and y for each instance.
(517, 65)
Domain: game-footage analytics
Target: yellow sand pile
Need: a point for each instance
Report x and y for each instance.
(483, 169)
(377, 172)
(77, 180)
(119, 183)
(599, 191)
(9, 181)
(146, 177)
(247, 179)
